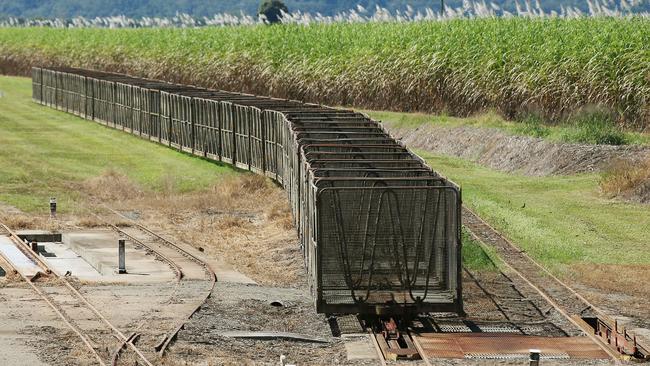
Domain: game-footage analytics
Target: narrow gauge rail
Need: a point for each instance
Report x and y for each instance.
(379, 230)
(75, 305)
(173, 254)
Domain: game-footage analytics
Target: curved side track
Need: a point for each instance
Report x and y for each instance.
(170, 252)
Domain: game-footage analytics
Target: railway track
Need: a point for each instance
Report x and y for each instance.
(107, 344)
(95, 331)
(567, 302)
(528, 295)
(342, 155)
(514, 307)
(191, 272)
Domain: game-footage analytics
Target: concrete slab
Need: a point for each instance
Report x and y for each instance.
(224, 271)
(359, 347)
(642, 335)
(39, 235)
(17, 258)
(64, 259)
(92, 255)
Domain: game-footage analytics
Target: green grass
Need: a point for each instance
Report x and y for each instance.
(476, 257)
(559, 220)
(590, 128)
(46, 153)
(551, 66)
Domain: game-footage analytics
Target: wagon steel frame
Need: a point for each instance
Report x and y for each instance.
(379, 230)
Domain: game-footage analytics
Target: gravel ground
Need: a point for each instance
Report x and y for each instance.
(248, 308)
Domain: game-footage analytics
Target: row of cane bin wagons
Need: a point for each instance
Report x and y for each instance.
(379, 229)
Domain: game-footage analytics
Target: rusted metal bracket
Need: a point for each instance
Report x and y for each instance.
(395, 344)
(617, 337)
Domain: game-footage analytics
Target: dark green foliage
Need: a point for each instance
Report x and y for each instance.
(272, 10)
(200, 8)
(533, 125)
(595, 127)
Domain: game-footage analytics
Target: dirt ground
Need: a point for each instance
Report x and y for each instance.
(617, 290)
(246, 222)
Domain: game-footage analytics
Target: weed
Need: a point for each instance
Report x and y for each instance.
(594, 128)
(474, 257)
(624, 177)
(534, 126)
(112, 185)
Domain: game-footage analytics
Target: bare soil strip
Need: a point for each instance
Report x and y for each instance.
(517, 154)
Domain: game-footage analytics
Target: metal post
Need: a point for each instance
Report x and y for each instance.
(52, 207)
(534, 357)
(121, 256)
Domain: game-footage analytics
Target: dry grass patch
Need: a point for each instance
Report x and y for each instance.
(229, 193)
(230, 222)
(89, 222)
(615, 278)
(620, 290)
(111, 185)
(243, 219)
(31, 222)
(628, 180)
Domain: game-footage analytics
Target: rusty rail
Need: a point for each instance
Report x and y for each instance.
(78, 331)
(572, 319)
(171, 337)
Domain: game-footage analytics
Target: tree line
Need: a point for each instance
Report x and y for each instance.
(207, 8)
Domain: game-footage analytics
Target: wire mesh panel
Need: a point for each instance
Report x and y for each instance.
(180, 123)
(388, 245)
(89, 107)
(228, 132)
(77, 100)
(273, 122)
(242, 121)
(257, 138)
(123, 97)
(379, 230)
(207, 126)
(165, 117)
(37, 85)
(59, 100)
(136, 110)
(103, 101)
(150, 110)
(49, 87)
